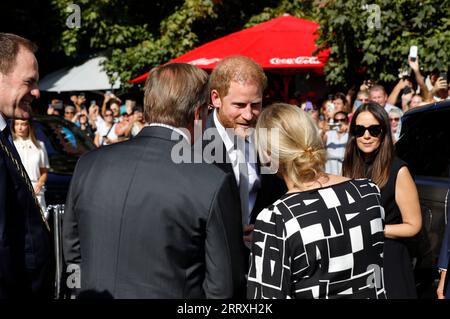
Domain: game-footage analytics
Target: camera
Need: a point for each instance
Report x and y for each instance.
(443, 75)
(407, 90)
(57, 106)
(335, 126)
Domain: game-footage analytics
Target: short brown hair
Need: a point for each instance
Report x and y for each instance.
(173, 92)
(236, 68)
(9, 47)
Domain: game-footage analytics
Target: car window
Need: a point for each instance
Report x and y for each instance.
(61, 137)
(425, 143)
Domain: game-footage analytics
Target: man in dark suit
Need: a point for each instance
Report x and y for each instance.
(142, 226)
(236, 87)
(26, 263)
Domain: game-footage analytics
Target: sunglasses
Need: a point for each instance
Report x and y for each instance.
(394, 119)
(374, 130)
(340, 120)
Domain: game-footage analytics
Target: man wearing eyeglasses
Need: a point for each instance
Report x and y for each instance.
(69, 112)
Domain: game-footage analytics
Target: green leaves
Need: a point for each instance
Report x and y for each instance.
(383, 50)
(373, 38)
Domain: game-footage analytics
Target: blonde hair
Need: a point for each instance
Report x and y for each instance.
(299, 149)
(31, 134)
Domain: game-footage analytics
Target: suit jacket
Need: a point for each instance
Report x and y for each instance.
(26, 258)
(272, 187)
(142, 226)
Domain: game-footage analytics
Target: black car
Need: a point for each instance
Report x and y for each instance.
(65, 143)
(425, 145)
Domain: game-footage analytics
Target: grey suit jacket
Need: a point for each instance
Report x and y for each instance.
(142, 226)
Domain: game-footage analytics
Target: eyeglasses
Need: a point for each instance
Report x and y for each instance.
(394, 119)
(342, 120)
(374, 130)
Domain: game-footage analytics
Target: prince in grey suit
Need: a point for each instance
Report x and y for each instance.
(142, 226)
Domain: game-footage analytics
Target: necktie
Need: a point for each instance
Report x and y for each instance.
(243, 181)
(7, 146)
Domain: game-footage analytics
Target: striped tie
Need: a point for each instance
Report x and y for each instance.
(7, 146)
(242, 145)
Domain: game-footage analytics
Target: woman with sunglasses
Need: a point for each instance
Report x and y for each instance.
(370, 153)
(395, 117)
(335, 141)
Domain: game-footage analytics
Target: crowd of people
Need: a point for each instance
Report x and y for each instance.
(105, 125)
(139, 224)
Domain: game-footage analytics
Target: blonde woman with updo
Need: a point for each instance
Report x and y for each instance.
(324, 237)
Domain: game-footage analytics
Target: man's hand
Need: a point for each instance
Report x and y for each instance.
(37, 188)
(50, 110)
(441, 84)
(414, 65)
(248, 233)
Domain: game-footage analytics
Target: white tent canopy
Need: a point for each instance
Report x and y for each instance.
(88, 76)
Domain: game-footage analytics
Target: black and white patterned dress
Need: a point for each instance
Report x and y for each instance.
(322, 243)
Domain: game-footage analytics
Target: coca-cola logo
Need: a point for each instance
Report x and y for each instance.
(308, 60)
(204, 61)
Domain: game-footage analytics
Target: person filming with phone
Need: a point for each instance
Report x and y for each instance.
(405, 90)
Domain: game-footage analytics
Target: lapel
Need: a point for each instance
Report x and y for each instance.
(19, 175)
(225, 163)
(8, 160)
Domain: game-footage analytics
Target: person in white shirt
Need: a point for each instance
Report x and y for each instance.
(34, 157)
(106, 134)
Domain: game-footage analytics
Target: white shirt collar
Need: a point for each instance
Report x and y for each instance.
(2, 123)
(227, 140)
(179, 131)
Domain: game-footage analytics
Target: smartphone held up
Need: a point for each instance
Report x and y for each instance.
(413, 53)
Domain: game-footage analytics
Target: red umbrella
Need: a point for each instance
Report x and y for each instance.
(285, 44)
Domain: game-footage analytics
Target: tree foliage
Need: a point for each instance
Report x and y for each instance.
(358, 46)
(138, 35)
(297, 8)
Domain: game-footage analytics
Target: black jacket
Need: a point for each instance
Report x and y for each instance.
(142, 226)
(26, 257)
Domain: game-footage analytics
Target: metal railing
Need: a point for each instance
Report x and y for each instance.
(56, 212)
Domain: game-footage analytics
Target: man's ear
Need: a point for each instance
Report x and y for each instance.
(198, 113)
(215, 99)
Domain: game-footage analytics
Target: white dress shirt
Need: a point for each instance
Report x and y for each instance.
(254, 180)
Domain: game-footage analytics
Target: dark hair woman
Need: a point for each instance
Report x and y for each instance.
(370, 153)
